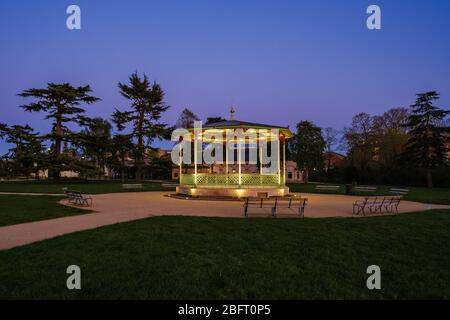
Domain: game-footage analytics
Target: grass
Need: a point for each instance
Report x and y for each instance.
(220, 258)
(90, 187)
(16, 209)
(425, 195)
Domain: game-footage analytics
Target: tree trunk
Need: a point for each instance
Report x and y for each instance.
(429, 178)
(306, 175)
(122, 174)
(57, 151)
(141, 152)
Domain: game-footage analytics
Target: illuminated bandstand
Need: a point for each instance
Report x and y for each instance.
(238, 174)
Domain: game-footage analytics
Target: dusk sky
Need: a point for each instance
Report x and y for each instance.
(278, 62)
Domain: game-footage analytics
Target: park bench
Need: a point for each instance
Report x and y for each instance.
(387, 204)
(169, 185)
(275, 203)
(391, 203)
(129, 186)
(399, 191)
(291, 203)
(324, 187)
(364, 189)
(76, 197)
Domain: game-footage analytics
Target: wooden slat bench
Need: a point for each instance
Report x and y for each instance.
(129, 186)
(170, 185)
(76, 197)
(275, 203)
(324, 187)
(364, 189)
(399, 191)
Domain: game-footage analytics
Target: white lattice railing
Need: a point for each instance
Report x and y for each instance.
(247, 179)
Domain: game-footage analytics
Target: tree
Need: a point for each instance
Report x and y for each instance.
(61, 103)
(95, 141)
(121, 147)
(307, 147)
(186, 119)
(361, 142)
(426, 145)
(330, 135)
(390, 135)
(147, 106)
(27, 152)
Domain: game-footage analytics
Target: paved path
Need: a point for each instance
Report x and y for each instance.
(120, 207)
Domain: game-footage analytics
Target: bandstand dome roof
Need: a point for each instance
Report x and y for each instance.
(237, 124)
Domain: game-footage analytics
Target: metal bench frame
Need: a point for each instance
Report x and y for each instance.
(387, 204)
(275, 203)
(76, 197)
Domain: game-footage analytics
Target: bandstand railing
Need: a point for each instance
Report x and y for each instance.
(247, 179)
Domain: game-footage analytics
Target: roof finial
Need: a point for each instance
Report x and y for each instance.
(232, 113)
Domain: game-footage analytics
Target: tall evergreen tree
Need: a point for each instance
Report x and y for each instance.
(307, 147)
(61, 103)
(27, 152)
(121, 147)
(426, 145)
(147, 107)
(95, 141)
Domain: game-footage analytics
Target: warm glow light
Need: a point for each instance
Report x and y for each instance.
(239, 192)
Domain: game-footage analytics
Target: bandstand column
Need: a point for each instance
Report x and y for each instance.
(260, 158)
(239, 160)
(278, 155)
(195, 158)
(181, 162)
(284, 161)
(226, 161)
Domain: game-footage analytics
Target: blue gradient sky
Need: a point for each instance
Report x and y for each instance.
(279, 62)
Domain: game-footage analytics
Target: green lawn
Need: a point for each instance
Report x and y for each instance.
(90, 187)
(426, 195)
(261, 258)
(16, 209)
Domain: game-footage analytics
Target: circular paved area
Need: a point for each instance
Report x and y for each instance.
(158, 204)
(120, 207)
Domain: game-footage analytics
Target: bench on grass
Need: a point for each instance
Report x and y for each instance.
(169, 185)
(387, 204)
(76, 197)
(325, 187)
(364, 189)
(275, 203)
(129, 186)
(399, 190)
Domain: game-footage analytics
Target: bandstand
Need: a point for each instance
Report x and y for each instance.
(238, 178)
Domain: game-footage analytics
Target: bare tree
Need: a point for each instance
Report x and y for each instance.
(186, 119)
